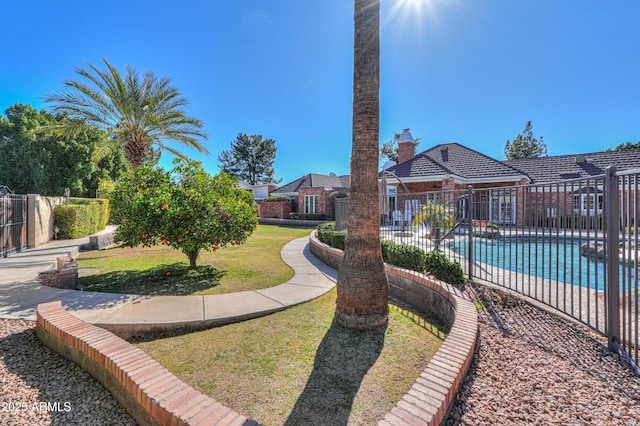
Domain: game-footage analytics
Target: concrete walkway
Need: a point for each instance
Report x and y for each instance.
(20, 294)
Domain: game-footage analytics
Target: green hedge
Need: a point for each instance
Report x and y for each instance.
(99, 210)
(82, 217)
(403, 256)
(438, 265)
(306, 216)
(327, 234)
(275, 198)
(408, 257)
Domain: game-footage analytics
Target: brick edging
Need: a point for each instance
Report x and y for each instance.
(147, 390)
(154, 396)
(432, 395)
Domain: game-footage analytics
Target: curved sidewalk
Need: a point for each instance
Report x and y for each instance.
(20, 294)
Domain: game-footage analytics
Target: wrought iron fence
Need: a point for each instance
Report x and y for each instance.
(13, 224)
(571, 245)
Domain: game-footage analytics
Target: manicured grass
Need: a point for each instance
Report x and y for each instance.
(294, 367)
(163, 270)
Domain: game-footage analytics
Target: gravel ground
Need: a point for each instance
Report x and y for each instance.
(39, 387)
(533, 367)
(530, 367)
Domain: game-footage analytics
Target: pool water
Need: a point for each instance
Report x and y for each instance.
(555, 259)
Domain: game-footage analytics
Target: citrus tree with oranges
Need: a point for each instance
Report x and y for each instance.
(185, 208)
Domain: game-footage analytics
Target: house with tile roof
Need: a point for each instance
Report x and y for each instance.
(454, 167)
(310, 194)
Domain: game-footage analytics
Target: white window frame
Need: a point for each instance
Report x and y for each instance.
(311, 204)
(589, 203)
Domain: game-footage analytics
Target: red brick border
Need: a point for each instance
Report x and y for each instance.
(154, 396)
(430, 398)
(147, 390)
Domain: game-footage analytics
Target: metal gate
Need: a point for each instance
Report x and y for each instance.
(13, 224)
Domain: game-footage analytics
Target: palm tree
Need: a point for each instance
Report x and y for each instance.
(138, 113)
(363, 289)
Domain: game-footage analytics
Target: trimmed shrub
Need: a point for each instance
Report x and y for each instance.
(67, 217)
(403, 256)
(306, 216)
(437, 264)
(276, 198)
(99, 210)
(338, 239)
(408, 257)
(386, 247)
(84, 216)
(325, 232)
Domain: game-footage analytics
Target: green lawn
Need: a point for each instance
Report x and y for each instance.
(293, 367)
(163, 270)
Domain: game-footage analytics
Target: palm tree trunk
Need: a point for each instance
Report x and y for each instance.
(363, 288)
(136, 152)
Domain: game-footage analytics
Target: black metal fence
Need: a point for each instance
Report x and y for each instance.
(13, 224)
(571, 245)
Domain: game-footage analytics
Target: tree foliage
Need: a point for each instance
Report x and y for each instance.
(250, 159)
(185, 208)
(627, 145)
(525, 146)
(35, 159)
(389, 149)
(139, 113)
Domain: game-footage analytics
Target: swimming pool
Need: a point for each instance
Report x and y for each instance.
(550, 258)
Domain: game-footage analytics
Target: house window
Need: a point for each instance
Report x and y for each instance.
(434, 197)
(627, 182)
(502, 207)
(311, 204)
(588, 204)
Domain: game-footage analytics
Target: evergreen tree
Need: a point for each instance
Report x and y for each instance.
(627, 145)
(250, 159)
(525, 146)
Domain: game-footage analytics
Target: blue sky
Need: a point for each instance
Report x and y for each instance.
(467, 71)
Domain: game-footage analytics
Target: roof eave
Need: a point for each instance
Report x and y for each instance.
(459, 179)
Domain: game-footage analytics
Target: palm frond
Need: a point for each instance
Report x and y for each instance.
(134, 109)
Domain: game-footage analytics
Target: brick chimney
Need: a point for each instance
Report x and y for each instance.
(406, 146)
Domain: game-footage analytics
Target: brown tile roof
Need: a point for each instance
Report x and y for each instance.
(314, 180)
(563, 167)
(453, 159)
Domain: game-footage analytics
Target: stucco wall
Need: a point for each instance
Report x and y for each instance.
(40, 222)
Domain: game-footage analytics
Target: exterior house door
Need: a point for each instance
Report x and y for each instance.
(502, 206)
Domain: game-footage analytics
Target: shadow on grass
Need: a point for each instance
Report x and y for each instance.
(342, 360)
(175, 279)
